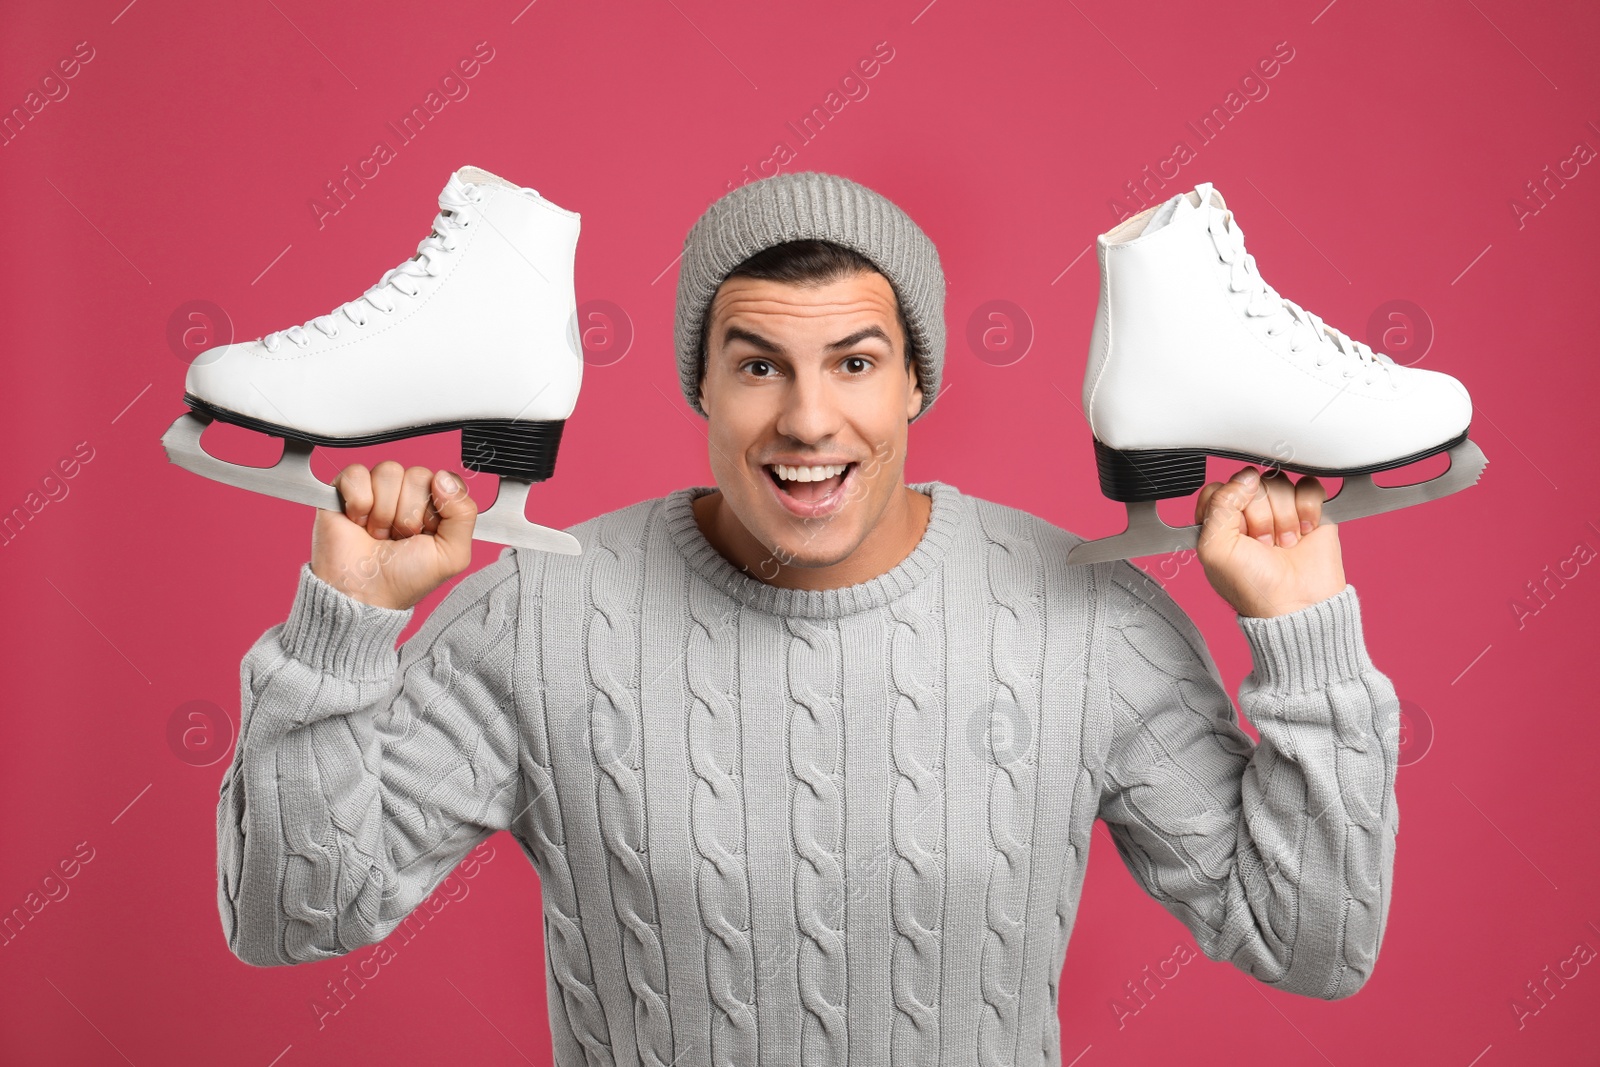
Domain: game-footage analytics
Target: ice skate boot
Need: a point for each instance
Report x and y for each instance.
(1194, 354)
(478, 331)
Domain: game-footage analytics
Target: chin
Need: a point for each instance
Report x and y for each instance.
(826, 549)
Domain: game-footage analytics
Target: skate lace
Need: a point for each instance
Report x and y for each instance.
(456, 213)
(1305, 330)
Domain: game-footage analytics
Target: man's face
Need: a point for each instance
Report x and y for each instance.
(808, 377)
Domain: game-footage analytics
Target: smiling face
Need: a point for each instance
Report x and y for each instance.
(808, 396)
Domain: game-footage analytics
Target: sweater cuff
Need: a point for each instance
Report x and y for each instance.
(1309, 649)
(333, 633)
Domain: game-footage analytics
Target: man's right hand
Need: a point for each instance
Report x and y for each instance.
(404, 532)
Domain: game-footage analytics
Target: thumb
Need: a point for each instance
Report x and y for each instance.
(1224, 517)
(457, 512)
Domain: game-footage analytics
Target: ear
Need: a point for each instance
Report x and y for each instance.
(914, 401)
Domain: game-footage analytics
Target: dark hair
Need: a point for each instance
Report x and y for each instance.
(809, 262)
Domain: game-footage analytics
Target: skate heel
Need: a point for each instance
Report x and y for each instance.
(1150, 474)
(511, 447)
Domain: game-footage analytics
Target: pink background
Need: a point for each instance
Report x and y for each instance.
(1379, 167)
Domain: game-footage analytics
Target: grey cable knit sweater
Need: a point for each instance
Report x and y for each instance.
(780, 826)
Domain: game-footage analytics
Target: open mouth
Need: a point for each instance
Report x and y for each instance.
(809, 489)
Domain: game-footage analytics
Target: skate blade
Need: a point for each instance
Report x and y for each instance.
(291, 479)
(1148, 534)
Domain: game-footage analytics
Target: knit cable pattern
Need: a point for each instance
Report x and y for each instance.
(1374, 820)
(346, 804)
(1165, 820)
(357, 787)
(1265, 851)
(816, 763)
(616, 741)
(544, 837)
(716, 823)
(916, 877)
(1012, 568)
(1087, 664)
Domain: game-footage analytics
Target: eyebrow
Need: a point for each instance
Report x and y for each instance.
(739, 333)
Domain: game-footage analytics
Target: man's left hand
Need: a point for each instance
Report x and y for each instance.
(1263, 545)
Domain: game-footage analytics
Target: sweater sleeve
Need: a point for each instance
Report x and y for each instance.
(1278, 855)
(362, 775)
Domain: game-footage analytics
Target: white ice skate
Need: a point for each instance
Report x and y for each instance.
(477, 331)
(1194, 354)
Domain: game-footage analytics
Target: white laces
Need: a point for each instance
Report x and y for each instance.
(1305, 330)
(455, 214)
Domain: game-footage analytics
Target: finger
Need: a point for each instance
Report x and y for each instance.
(457, 514)
(1258, 511)
(354, 484)
(410, 509)
(1224, 514)
(1202, 502)
(386, 479)
(430, 512)
(1280, 498)
(1308, 497)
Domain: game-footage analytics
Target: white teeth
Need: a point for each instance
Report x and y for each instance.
(808, 474)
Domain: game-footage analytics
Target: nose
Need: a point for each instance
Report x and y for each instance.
(810, 410)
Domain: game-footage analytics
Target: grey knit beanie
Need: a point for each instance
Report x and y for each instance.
(810, 205)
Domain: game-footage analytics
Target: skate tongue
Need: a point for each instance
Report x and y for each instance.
(1184, 204)
(1176, 208)
(479, 176)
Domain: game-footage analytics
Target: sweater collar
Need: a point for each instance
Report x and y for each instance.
(943, 519)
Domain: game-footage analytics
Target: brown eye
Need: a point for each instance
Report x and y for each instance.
(858, 359)
(758, 363)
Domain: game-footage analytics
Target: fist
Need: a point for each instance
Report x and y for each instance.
(403, 532)
(1263, 544)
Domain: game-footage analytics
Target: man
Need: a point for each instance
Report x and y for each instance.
(808, 763)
